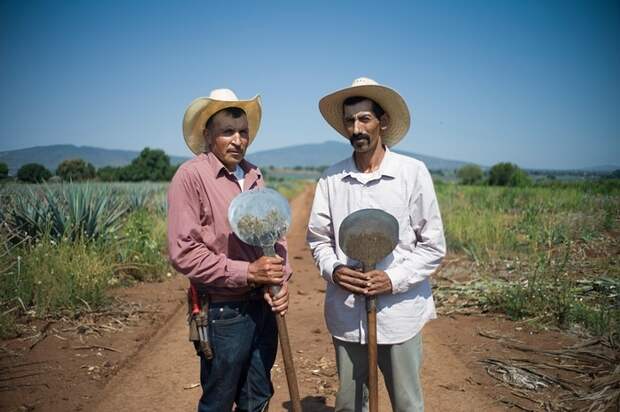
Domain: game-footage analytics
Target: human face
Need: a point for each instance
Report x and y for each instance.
(362, 126)
(228, 138)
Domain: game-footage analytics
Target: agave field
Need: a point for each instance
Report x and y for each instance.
(63, 245)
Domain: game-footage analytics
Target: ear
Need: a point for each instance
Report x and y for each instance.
(384, 121)
(207, 136)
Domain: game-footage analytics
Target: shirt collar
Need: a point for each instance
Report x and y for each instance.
(218, 168)
(388, 168)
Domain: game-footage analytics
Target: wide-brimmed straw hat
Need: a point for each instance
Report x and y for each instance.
(202, 108)
(331, 107)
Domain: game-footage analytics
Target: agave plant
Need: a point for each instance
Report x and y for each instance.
(161, 204)
(69, 210)
(27, 214)
(83, 210)
(139, 198)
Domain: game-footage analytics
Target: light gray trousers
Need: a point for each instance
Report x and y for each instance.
(400, 365)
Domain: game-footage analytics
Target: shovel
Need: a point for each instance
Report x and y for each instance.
(260, 218)
(368, 236)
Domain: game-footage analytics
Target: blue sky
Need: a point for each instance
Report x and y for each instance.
(532, 82)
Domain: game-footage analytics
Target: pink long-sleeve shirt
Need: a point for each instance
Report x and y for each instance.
(201, 244)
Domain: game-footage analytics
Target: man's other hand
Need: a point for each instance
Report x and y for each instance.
(351, 280)
(279, 302)
(379, 283)
(267, 270)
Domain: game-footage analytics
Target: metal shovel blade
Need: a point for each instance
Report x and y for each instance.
(368, 236)
(259, 217)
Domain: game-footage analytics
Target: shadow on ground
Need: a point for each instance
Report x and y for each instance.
(311, 404)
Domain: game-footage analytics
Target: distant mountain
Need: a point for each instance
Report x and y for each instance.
(329, 152)
(51, 156)
(316, 154)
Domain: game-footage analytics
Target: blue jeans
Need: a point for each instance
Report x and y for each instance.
(244, 339)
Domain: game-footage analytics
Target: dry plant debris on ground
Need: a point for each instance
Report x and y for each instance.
(581, 377)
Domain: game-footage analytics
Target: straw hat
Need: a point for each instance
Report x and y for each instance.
(201, 109)
(393, 104)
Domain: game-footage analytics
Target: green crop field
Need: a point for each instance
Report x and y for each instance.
(63, 245)
(544, 253)
(549, 254)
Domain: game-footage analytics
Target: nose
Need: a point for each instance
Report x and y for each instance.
(236, 139)
(357, 127)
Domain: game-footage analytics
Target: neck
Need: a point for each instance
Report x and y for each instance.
(369, 161)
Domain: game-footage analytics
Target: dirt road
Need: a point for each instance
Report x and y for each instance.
(160, 376)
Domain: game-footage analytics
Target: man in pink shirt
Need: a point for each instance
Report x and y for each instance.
(241, 328)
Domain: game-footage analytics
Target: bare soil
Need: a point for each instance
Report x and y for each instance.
(140, 359)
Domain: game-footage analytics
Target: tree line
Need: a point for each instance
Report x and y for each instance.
(501, 174)
(154, 165)
(151, 164)
(509, 174)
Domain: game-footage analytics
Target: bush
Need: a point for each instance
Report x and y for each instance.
(151, 164)
(141, 248)
(33, 173)
(4, 171)
(508, 174)
(470, 174)
(75, 170)
(109, 174)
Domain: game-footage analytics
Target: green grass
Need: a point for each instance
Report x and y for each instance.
(48, 276)
(555, 240)
(498, 222)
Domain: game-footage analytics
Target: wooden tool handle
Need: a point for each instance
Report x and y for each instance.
(289, 366)
(285, 346)
(373, 382)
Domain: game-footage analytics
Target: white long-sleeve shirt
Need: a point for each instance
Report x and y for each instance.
(403, 188)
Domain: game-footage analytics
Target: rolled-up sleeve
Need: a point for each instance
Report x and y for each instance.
(188, 252)
(320, 235)
(424, 255)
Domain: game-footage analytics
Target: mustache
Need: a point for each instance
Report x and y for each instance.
(360, 136)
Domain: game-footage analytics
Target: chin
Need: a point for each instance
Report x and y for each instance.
(234, 158)
(361, 149)
(231, 163)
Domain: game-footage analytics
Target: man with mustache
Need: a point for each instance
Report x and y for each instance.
(228, 274)
(374, 118)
